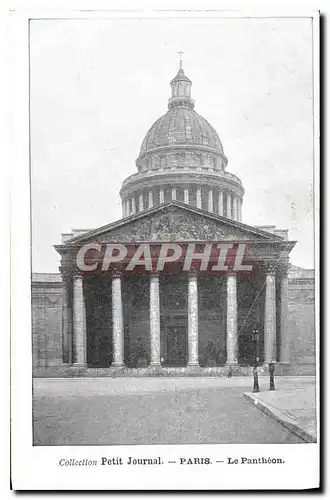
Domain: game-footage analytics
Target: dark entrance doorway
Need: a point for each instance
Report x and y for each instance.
(97, 291)
(175, 342)
(247, 352)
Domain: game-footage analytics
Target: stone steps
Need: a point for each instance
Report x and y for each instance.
(66, 371)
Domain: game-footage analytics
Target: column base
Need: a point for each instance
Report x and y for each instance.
(155, 364)
(117, 365)
(231, 363)
(79, 365)
(193, 363)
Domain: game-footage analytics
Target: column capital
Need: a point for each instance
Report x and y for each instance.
(66, 274)
(283, 268)
(116, 273)
(232, 274)
(77, 273)
(193, 273)
(154, 274)
(270, 268)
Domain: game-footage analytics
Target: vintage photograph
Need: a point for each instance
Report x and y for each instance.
(173, 230)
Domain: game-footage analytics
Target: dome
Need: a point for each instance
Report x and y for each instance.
(181, 125)
(182, 159)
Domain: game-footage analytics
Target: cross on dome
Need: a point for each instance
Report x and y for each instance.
(180, 54)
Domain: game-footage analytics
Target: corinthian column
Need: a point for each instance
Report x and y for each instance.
(232, 341)
(228, 205)
(235, 214)
(133, 205)
(210, 201)
(161, 195)
(186, 196)
(199, 197)
(192, 320)
(239, 208)
(270, 318)
(154, 320)
(141, 202)
(173, 193)
(79, 339)
(117, 321)
(284, 311)
(220, 203)
(66, 320)
(150, 200)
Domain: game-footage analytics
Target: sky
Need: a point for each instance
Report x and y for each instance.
(97, 86)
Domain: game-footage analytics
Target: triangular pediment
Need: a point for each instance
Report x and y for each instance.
(174, 221)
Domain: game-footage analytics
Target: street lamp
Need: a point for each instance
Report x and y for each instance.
(255, 338)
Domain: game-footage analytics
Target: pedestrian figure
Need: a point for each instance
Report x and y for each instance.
(230, 372)
(271, 376)
(255, 379)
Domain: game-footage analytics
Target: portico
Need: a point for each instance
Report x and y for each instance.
(155, 319)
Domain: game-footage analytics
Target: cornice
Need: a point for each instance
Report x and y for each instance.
(189, 175)
(47, 284)
(189, 147)
(175, 205)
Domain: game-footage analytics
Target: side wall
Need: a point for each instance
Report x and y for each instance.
(46, 320)
(302, 321)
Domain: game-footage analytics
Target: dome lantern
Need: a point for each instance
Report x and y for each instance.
(181, 90)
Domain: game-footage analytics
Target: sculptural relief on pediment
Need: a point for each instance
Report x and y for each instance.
(173, 226)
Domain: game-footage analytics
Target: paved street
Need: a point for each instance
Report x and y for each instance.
(151, 411)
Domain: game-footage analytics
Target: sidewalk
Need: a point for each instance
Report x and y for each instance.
(294, 407)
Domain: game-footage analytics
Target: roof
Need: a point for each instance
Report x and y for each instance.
(180, 77)
(181, 126)
(170, 207)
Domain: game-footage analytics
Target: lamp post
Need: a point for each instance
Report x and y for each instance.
(255, 338)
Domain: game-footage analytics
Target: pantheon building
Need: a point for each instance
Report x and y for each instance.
(137, 316)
